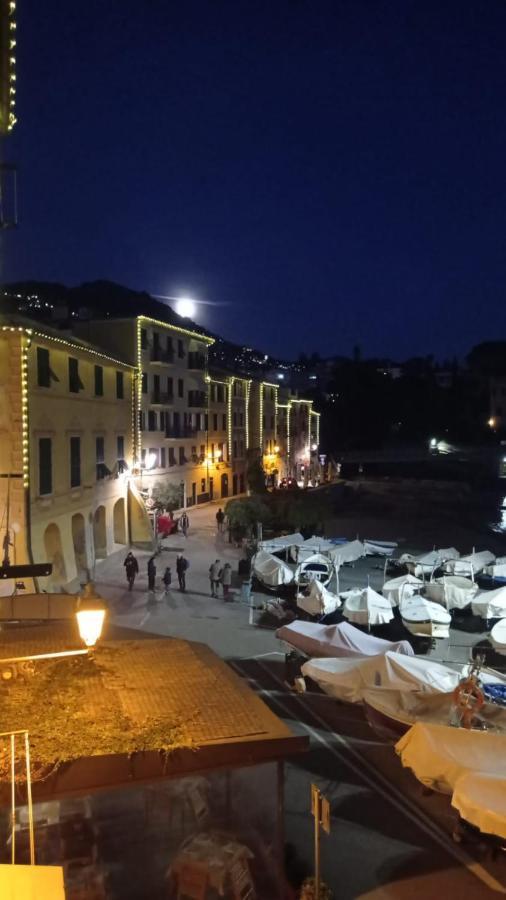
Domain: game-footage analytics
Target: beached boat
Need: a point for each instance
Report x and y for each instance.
(397, 588)
(379, 548)
(452, 591)
(348, 679)
(316, 600)
(342, 640)
(315, 568)
(311, 546)
(347, 553)
(282, 544)
(468, 765)
(496, 569)
(470, 565)
(498, 637)
(364, 606)
(423, 618)
(490, 604)
(270, 571)
(427, 563)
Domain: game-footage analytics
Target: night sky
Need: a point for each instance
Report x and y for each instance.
(329, 173)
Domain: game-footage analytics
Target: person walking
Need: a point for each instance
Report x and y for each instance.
(226, 580)
(184, 523)
(131, 568)
(182, 565)
(220, 520)
(151, 573)
(214, 577)
(167, 579)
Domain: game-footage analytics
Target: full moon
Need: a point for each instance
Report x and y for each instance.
(186, 307)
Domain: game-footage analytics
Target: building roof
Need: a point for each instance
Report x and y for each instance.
(139, 711)
(33, 330)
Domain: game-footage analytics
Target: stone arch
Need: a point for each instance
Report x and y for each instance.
(54, 553)
(99, 533)
(119, 522)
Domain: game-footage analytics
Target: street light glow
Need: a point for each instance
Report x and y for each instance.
(491, 422)
(185, 307)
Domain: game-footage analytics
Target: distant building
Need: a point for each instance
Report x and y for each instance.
(497, 400)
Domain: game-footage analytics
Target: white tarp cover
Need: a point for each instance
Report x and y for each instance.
(403, 586)
(277, 544)
(366, 607)
(498, 569)
(343, 640)
(498, 637)
(347, 553)
(270, 570)
(316, 544)
(480, 799)
(315, 567)
(417, 609)
(347, 679)
(318, 600)
(439, 755)
(472, 563)
(490, 604)
(452, 591)
(379, 548)
(426, 562)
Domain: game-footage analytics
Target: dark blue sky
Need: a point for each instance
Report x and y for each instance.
(333, 171)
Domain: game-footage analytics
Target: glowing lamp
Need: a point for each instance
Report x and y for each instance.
(314, 447)
(276, 449)
(150, 461)
(491, 422)
(433, 442)
(90, 616)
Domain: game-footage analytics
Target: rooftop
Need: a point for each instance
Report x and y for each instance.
(140, 710)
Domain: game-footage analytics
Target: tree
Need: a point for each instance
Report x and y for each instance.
(243, 515)
(167, 496)
(255, 476)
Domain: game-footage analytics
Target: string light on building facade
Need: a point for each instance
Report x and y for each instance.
(246, 422)
(8, 42)
(25, 346)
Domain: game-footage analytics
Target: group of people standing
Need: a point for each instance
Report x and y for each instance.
(132, 569)
(219, 574)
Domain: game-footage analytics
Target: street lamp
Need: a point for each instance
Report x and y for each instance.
(491, 422)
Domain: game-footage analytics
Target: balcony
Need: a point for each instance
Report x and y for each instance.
(159, 398)
(159, 355)
(196, 361)
(197, 399)
(183, 432)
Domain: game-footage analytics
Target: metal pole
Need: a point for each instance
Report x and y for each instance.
(29, 798)
(317, 847)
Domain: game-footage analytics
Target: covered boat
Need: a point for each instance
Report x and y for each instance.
(397, 588)
(379, 548)
(470, 565)
(281, 544)
(452, 591)
(316, 600)
(423, 618)
(498, 637)
(348, 679)
(426, 563)
(343, 640)
(367, 607)
(496, 569)
(347, 553)
(315, 568)
(271, 571)
(311, 546)
(480, 799)
(490, 604)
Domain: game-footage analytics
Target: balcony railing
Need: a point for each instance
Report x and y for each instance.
(196, 361)
(159, 355)
(160, 398)
(197, 398)
(183, 431)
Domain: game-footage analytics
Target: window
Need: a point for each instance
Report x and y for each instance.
(45, 466)
(241, 419)
(180, 387)
(224, 422)
(75, 383)
(221, 393)
(182, 459)
(120, 447)
(43, 369)
(75, 462)
(153, 454)
(202, 485)
(99, 381)
(235, 449)
(170, 388)
(180, 349)
(213, 393)
(163, 464)
(215, 421)
(170, 349)
(144, 382)
(144, 338)
(162, 421)
(172, 456)
(235, 419)
(151, 420)
(119, 386)
(202, 450)
(142, 421)
(99, 458)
